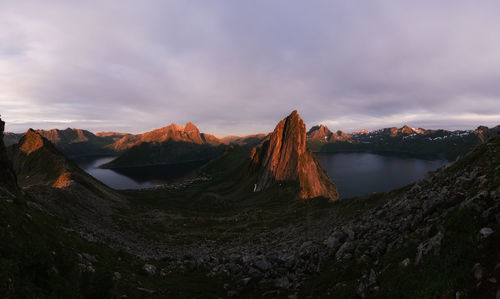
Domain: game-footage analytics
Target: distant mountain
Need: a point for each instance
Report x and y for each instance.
(322, 134)
(189, 133)
(283, 157)
(448, 144)
(78, 142)
(170, 144)
(113, 135)
(248, 140)
(361, 132)
(11, 138)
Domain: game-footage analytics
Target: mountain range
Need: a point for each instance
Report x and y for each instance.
(169, 144)
(77, 142)
(407, 140)
(251, 226)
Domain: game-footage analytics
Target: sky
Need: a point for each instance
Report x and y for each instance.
(238, 67)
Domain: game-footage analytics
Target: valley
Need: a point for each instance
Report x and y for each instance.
(217, 235)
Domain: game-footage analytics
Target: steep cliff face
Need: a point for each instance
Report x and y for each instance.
(283, 157)
(7, 176)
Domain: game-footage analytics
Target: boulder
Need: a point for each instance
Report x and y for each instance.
(149, 269)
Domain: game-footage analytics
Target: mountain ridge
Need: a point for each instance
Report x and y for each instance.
(166, 145)
(443, 143)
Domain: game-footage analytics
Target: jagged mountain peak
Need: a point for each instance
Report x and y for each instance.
(361, 132)
(283, 157)
(190, 127)
(406, 130)
(319, 133)
(32, 141)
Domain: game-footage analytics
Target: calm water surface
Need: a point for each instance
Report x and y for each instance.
(362, 173)
(353, 173)
(138, 177)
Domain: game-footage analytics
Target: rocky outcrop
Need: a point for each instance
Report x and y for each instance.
(7, 176)
(283, 157)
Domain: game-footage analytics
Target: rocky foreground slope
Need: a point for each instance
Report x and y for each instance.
(283, 157)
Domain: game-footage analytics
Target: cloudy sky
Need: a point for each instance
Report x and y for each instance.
(237, 67)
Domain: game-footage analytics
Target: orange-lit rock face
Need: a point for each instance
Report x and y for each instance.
(189, 133)
(406, 130)
(66, 136)
(286, 144)
(63, 181)
(319, 133)
(283, 157)
(32, 142)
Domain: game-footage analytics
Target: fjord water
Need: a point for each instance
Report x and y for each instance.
(362, 173)
(138, 177)
(353, 173)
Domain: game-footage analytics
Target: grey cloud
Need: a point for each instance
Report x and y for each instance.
(237, 67)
